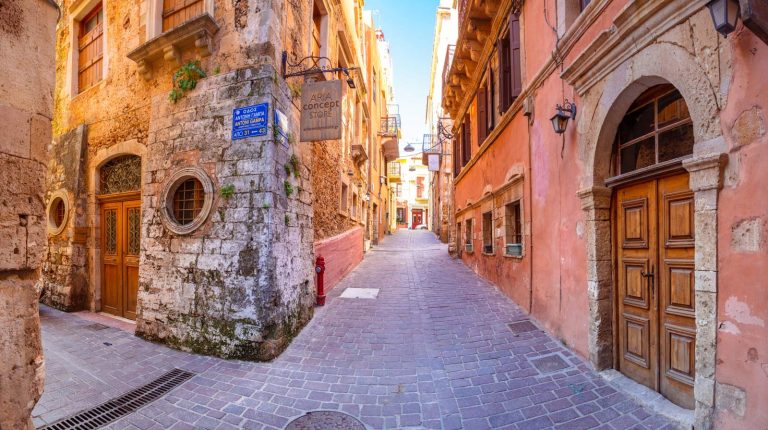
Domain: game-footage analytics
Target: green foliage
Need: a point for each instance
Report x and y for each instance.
(216, 70)
(227, 191)
(288, 188)
(266, 205)
(287, 219)
(287, 169)
(295, 165)
(185, 79)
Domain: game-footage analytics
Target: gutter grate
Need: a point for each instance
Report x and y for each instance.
(112, 410)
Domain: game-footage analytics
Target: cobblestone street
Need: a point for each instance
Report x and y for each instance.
(434, 350)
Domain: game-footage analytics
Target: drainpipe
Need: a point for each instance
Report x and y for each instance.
(530, 205)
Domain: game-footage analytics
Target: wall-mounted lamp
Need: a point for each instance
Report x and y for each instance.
(562, 115)
(350, 173)
(724, 13)
(412, 169)
(409, 148)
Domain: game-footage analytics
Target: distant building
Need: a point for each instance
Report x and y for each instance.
(437, 144)
(411, 192)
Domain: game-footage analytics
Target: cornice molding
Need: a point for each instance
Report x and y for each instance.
(634, 28)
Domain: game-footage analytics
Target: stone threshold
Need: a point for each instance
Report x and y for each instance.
(649, 399)
(108, 320)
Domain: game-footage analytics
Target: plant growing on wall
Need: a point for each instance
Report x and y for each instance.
(185, 79)
(295, 165)
(288, 188)
(227, 191)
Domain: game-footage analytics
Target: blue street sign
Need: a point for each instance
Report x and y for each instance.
(250, 121)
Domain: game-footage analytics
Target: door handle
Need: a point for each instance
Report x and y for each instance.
(651, 277)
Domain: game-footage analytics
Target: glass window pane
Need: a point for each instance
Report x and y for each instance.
(676, 143)
(639, 155)
(672, 108)
(636, 124)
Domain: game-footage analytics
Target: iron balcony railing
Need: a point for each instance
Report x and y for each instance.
(393, 168)
(430, 144)
(447, 65)
(390, 126)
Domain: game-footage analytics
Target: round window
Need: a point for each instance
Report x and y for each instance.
(188, 201)
(188, 197)
(58, 211)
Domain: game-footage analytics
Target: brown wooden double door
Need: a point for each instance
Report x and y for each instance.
(655, 272)
(120, 247)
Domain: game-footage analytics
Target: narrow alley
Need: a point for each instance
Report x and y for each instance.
(437, 348)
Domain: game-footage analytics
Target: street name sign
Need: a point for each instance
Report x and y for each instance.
(250, 121)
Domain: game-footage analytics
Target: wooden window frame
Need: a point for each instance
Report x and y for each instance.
(642, 102)
(487, 228)
(513, 228)
(510, 63)
(155, 16)
(186, 4)
(198, 200)
(83, 45)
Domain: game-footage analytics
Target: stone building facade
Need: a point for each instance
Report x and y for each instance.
(190, 204)
(439, 124)
(633, 234)
(27, 30)
(350, 212)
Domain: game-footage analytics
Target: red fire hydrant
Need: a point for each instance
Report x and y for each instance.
(320, 270)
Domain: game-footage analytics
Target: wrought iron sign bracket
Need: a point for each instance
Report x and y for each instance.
(311, 66)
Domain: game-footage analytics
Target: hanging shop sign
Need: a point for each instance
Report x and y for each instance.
(321, 111)
(434, 162)
(250, 121)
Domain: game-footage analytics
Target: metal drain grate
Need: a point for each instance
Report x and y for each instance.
(118, 407)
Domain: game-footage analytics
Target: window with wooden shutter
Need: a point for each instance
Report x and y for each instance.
(177, 12)
(489, 99)
(466, 150)
(317, 18)
(482, 115)
(505, 73)
(514, 42)
(90, 49)
(456, 155)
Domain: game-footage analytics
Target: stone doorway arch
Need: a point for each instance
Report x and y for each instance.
(604, 104)
(102, 156)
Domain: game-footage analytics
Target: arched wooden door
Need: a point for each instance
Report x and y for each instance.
(120, 235)
(654, 247)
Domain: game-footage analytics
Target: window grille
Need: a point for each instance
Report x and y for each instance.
(120, 175)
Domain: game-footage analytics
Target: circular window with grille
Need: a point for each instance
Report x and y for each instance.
(58, 212)
(188, 197)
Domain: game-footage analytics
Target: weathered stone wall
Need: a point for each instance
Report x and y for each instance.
(64, 276)
(26, 47)
(240, 286)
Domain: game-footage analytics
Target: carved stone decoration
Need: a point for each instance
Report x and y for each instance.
(195, 34)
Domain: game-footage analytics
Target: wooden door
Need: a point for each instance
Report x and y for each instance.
(417, 218)
(656, 324)
(121, 239)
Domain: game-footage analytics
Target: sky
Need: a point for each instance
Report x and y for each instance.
(409, 26)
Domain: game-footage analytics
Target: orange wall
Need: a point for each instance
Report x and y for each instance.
(742, 341)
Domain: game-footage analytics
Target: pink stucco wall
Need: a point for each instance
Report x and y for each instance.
(342, 253)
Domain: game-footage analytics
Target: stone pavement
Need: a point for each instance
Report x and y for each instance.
(434, 350)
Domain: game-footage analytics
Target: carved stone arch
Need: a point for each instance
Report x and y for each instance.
(604, 105)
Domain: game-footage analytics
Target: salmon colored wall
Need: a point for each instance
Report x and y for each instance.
(511, 275)
(742, 341)
(342, 253)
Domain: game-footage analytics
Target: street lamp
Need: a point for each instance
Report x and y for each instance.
(562, 115)
(409, 148)
(724, 15)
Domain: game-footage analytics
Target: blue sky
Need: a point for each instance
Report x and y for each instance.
(409, 26)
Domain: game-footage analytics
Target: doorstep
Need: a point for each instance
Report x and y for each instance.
(649, 399)
(108, 320)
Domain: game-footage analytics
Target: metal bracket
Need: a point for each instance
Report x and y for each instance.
(311, 66)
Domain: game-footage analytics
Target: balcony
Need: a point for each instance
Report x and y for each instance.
(430, 145)
(393, 171)
(196, 34)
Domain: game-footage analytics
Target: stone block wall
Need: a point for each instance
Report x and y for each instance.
(241, 285)
(26, 93)
(64, 277)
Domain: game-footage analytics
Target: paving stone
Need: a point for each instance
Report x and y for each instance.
(413, 357)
